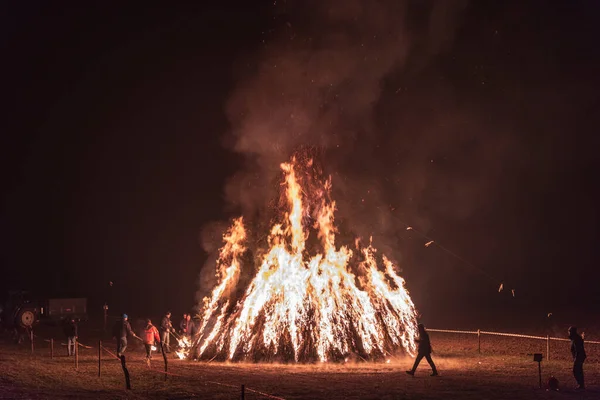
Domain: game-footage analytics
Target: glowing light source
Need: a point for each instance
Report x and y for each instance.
(307, 301)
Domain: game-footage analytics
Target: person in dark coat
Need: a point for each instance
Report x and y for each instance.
(166, 327)
(121, 330)
(578, 352)
(423, 350)
(70, 330)
(183, 326)
(194, 326)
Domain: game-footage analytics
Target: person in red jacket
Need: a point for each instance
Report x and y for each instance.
(151, 337)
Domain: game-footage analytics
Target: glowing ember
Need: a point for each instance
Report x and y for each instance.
(309, 300)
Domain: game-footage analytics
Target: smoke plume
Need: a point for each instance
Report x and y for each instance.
(356, 81)
(319, 81)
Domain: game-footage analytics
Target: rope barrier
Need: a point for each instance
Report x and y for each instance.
(513, 335)
(165, 372)
(110, 352)
(81, 345)
(62, 344)
(451, 331)
(517, 335)
(248, 389)
(213, 382)
(270, 396)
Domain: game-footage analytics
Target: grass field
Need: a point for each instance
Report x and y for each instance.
(504, 370)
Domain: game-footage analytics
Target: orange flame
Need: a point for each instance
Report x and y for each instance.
(184, 345)
(322, 307)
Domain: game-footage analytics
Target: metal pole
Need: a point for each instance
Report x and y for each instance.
(52, 349)
(548, 347)
(76, 354)
(243, 392)
(479, 341)
(99, 356)
(540, 372)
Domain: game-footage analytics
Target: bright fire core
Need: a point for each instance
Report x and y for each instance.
(308, 300)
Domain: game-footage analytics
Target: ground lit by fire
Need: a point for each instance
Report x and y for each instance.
(309, 299)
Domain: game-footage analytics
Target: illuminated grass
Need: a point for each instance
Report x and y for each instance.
(464, 374)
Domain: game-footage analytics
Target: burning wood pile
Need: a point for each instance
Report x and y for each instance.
(308, 299)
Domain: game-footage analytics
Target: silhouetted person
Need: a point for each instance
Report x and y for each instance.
(194, 326)
(578, 356)
(423, 350)
(183, 326)
(166, 327)
(189, 325)
(121, 330)
(70, 330)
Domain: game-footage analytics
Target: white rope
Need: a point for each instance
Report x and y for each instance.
(518, 335)
(513, 335)
(451, 331)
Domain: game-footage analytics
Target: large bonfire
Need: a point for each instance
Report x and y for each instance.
(308, 300)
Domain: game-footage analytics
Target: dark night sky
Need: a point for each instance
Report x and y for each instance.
(123, 139)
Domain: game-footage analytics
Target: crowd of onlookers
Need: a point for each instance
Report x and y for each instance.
(151, 336)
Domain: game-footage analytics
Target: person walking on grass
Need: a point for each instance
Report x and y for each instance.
(423, 350)
(166, 327)
(578, 352)
(121, 330)
(70, 330)
(150, 338)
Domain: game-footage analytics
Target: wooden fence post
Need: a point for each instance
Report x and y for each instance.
(126, 372)
(52, 349)
(99, 356)
(548, 347)
(76, 354)
(540, 372)
(162, 349)
(479, 341)
(31, 339)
